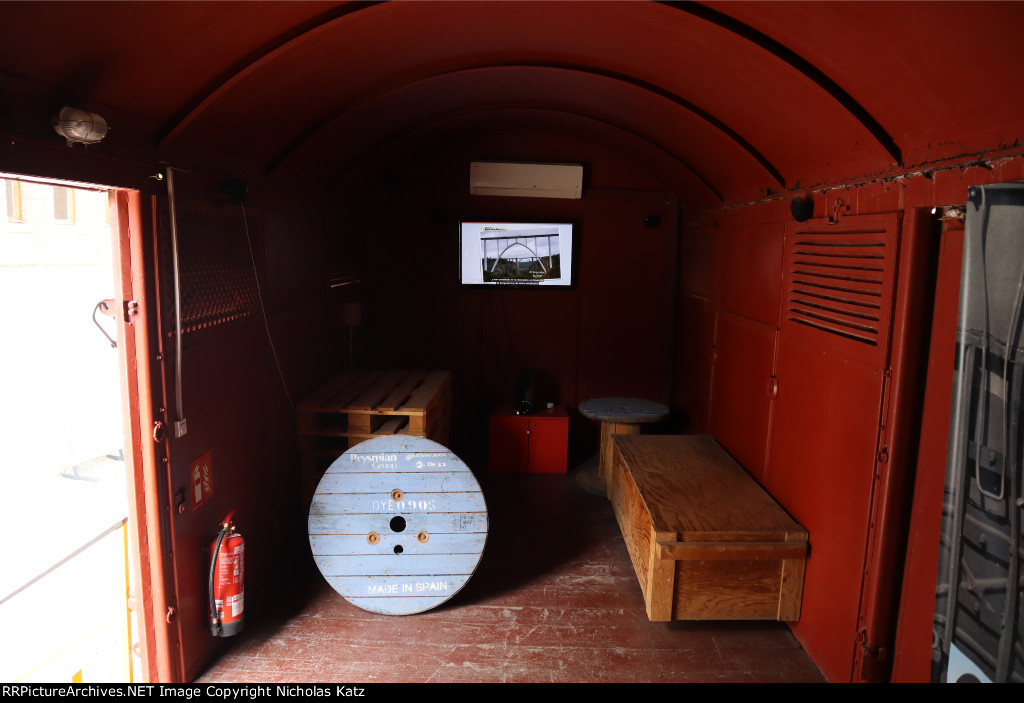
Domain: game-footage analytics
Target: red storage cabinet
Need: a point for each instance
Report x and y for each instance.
(537, 443)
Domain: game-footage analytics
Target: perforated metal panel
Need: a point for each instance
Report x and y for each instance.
(218, 282)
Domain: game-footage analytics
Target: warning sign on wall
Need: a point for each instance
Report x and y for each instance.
(201, 471)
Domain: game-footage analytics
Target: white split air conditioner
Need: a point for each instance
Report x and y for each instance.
(526, 180)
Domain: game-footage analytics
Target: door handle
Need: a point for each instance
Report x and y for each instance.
(106, 307)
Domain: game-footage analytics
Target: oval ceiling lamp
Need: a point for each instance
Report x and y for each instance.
(80, 127)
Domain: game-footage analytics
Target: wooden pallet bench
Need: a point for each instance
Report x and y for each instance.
(357, 405)
(706, 541)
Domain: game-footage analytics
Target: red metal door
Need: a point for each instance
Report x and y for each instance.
(212, 422)
(912, 652)
(832, 370)
(147, 481)
(822, 470)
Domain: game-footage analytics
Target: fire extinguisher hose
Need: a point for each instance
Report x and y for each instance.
(214, 619)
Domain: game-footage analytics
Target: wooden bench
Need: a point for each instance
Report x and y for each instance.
(706, 541)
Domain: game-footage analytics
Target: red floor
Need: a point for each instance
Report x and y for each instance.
(555, 599)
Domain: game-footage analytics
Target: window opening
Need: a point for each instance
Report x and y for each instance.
(13, 196)
(63, 204)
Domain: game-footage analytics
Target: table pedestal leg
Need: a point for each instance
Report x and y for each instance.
(607, 430)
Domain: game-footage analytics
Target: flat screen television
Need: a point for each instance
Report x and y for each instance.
(517, 254)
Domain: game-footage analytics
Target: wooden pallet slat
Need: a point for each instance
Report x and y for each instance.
(393, 425)
(431, 386)
(398, 396)
(342, 400)
(371, 398)
(324, 393)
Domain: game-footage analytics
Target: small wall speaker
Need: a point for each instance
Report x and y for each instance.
(802, 209)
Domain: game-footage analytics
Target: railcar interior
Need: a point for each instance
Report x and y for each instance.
(448, 233)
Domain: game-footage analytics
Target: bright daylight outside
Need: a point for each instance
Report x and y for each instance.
(63, 603)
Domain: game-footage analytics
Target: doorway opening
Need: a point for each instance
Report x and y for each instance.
(65, 590)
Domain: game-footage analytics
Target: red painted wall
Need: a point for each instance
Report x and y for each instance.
(613, 333)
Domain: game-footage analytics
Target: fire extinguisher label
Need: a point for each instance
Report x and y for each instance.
(232, 566)
(235, 606)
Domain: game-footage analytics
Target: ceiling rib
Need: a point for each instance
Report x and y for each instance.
(718, 124)
(287, 41)
(365, 153)
(802, 65)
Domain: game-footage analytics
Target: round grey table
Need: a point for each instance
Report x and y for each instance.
(617, 416)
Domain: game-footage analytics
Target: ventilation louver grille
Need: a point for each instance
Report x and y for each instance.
(839, 283)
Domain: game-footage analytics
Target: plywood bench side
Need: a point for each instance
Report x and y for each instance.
(643, 541)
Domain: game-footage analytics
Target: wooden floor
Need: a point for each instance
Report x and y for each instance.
(554, 599)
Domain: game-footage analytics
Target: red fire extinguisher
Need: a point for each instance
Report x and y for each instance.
(227, 582)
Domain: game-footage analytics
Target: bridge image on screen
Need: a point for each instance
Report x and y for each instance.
(531, 254)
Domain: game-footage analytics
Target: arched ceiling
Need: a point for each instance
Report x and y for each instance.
(745, 97)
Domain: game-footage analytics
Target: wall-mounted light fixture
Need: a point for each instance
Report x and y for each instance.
(80, 127)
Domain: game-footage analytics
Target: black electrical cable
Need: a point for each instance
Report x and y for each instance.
(214, 620)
